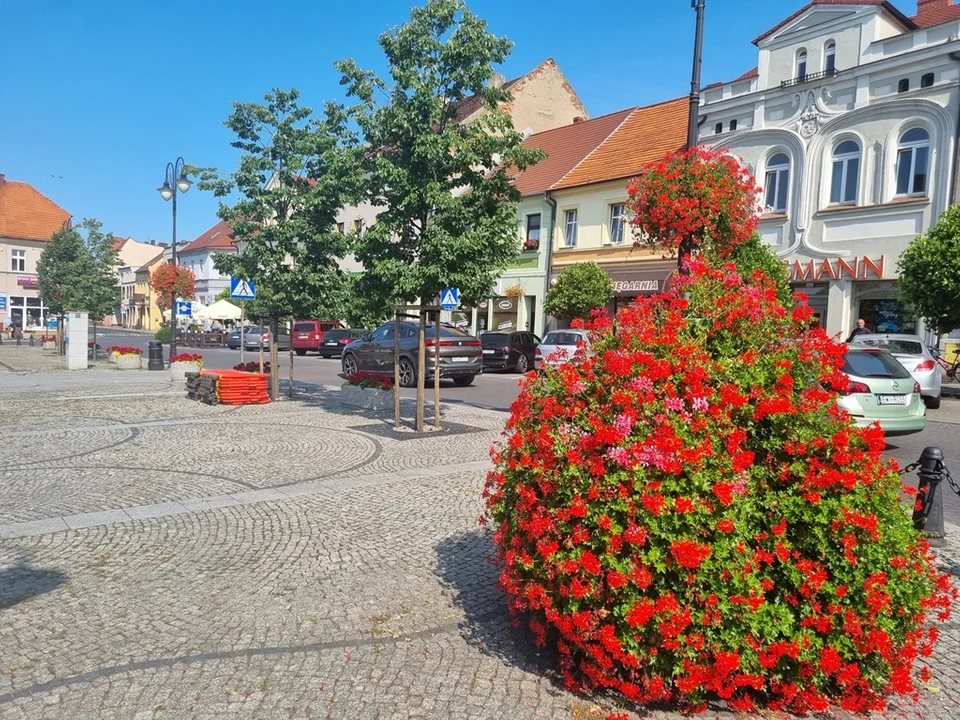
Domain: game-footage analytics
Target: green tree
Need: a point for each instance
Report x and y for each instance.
(76, 272)
(295, 173)
(448, 208)
(579, 289)
(930, 273)
(755, 254)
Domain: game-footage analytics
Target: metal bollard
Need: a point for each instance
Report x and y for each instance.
(154, 355)
(929, 517)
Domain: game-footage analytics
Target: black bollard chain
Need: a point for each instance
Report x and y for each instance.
(910, 468)
(954, 485)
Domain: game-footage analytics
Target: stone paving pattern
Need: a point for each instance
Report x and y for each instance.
(266, 562)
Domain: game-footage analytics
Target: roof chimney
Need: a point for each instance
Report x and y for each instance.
(496, 80)
(3, 178)
(926, 8)
(579, 119)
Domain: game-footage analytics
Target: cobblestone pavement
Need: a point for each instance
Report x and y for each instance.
(162, 558)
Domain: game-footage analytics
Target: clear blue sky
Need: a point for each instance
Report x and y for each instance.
(96, 96)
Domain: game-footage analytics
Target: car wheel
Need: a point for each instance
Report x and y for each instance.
(464, 380)
(933, 403)
(349, 364)
(301, 352)
(522, 364)
(408, 377)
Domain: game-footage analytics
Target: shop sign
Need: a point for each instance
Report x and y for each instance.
(505, 305)
(640, 282)
(27, 281)
(505, 325)
(857, 268)
(483, 305)
(3, 302)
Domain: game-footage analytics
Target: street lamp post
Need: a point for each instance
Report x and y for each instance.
(175, 181)
(693, 120)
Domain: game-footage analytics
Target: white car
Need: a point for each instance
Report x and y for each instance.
(916, 357)
(880, 389)
(559, 346)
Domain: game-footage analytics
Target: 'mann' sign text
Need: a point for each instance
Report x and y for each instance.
(856, 268)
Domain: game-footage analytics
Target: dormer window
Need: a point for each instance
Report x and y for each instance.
(830, 58)
(801, 65)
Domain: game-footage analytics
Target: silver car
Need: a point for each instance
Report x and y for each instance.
(559, 346)
(251, 339)
(915, 356)
(881, 390)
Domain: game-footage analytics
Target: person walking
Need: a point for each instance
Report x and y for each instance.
(860, 329)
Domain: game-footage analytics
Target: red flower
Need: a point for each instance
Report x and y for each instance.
(726, 526)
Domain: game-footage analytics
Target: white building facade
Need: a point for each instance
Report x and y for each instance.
(850, 125)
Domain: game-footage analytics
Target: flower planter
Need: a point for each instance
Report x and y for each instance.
(112, 357)
(353, 396)
(49, 345)
(128, 362)
(179, 370)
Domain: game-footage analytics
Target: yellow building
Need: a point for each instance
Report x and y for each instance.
(149, 316)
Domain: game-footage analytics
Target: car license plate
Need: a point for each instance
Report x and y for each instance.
(303, 337)
(488, 352)
(891, 399)
(333, 344)
(459, 359)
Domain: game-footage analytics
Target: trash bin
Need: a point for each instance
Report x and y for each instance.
(154, 355)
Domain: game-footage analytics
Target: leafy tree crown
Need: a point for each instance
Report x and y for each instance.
(930, 273)
(579, 290)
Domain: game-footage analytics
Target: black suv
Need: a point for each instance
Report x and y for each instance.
(509, 350)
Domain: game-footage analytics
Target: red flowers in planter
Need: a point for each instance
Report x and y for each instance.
(702, 194)
(366, 379)
(123, 350)
(188, 357)
(253, 367)
(687, 514)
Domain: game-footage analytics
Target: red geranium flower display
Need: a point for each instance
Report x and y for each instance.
(702, 195)
(687, 514)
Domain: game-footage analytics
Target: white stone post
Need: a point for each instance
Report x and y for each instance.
(77, 341)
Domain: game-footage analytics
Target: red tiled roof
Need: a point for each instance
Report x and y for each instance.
(216, 238)
(565, 147)
(28, 214)
(647, 134)
(883, 3)
(934, 12)
(749, 74)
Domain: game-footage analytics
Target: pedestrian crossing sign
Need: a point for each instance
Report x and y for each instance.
(242, 289)
(450, 299)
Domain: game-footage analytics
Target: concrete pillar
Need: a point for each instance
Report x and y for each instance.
(840, 308)
(77, 341)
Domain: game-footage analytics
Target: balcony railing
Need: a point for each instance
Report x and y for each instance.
(809, 77)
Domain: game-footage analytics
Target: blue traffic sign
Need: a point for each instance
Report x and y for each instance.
(450, 299)
(184, 308)
(242, 289)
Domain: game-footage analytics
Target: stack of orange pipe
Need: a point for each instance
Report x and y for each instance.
(240, 388)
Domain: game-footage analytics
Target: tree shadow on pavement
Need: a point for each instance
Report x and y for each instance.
(22, 581)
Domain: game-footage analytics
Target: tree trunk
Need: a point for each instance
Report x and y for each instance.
(94, 339)
(290, 350)
(274, 359)
(421, 369)
(436, 370)
(396, 369)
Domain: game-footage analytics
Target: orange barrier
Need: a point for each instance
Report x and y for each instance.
(229, 387)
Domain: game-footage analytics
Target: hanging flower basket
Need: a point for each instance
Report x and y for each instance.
(185, 363)
(368, 391)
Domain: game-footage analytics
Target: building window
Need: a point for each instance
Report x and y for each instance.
(357, 226)
(340, 228)
(733, 125)
(903, 85)
(570, 228)
(18, 260)
(927, 80)
(778, 181)
(532, 241)
(617, 216)
(830, 58)
(801, 65)
(718, 128)
(913, 159)
(846, 173)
